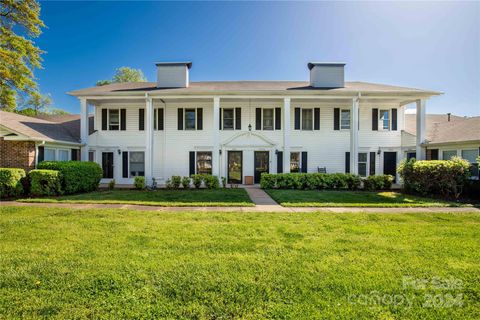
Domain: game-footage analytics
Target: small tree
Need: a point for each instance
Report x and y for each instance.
(124, 74)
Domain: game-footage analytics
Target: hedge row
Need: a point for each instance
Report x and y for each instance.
(312, 181)
(209, 181)
(75, 176)
(446, 178)
(11, 182)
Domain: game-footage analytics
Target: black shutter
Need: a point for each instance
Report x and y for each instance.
(220, 119)
(200, 119)
(192, 163)
(347, 162)
(74, 155)
(336, 119)
(433, 154)
(123, 119)
(278, 118)
(141, 119)
(375, 119)
(258, 119)
(41, 154)
(394, 119)
(372, 163)
(125, 164)
(238, 118)
(297, 119)
(180, 119)
(316, 119)
(160, 118)
(304, 162)
(104, 119)
(280, 162)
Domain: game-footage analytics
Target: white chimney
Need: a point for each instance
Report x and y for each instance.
(172, 74)
(327, 74)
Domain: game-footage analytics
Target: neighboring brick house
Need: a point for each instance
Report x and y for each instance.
(25, 141)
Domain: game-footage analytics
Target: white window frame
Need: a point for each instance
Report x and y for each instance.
(381, 120)
(301, 119)
(94, 155)
(273, 119)
(69, 156)
(349, 119)
(119, 119)
(366, 162)
(130, 164)
(185, 119)
(233, 118)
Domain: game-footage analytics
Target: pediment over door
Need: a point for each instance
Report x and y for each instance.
(248, 139)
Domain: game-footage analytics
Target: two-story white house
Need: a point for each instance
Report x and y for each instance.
(239, 129)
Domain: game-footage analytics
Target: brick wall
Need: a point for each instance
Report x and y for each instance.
(17, 154)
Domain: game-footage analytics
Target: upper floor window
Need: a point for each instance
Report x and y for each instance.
(190, 119)
(228, 119)
(385, 119)
(267, 119)
(345, 119)
(113, 119)
(307, 119)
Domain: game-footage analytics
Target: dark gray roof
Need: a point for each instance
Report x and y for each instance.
(39, 129)
(440, 130)
(259, 87)
(336, 64)
(186, 63)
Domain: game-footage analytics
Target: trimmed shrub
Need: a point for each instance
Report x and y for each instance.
(186, 182)
(45, 182)
(380, 182)
(387, 181)
(75, 176)
(445, 178)
(310, 181)
(211, 182)
(139, 183)
(224, 182)
(197, 180)
(111, 184)
(11, 182)
(176, 181)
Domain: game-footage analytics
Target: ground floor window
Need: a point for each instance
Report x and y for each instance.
(295, 162)
(137, 164)
(204, 162)
(91, 156)
(63, 155)
(411, 155)
(49, 154)
(448, 154)
(362, 164)
(471, 156)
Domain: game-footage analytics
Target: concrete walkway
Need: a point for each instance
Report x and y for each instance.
(257, 208)
(263, 202)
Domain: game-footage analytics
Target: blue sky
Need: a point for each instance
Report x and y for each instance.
(417, 44)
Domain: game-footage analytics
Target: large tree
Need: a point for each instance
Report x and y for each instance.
(124, 74)
(19, 23)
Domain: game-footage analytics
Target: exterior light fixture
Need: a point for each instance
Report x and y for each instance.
(250, 127)
(379, 151)
(119, 151)
(220, 151)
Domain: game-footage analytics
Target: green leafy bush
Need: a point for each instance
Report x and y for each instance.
(111, 184)
(211, 182)
(197, 180)
(11, 182)
(139, 183)
(224, 182)
(75, 176)
(45, 182)
(310, 181)
(186, 182)
(176, 181)
(445, 178)
(380, 182)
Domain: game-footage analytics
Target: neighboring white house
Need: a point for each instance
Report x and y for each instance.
(239, 129)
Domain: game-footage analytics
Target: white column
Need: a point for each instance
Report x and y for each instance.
(354, 136)
(148, 139)
(216, 138)
(286, 135)
(420, 152)
(84, 129)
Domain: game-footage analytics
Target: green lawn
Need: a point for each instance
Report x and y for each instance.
(314, 198)
(120, 264)
(162, 197)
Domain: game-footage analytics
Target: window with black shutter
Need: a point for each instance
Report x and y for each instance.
(191, 163)
(258, 119)
(123, 119)
(141, 119)
(180, 119)
(279, 161)
(347, 162)
(297, 119)
(41, 154)
(160, 118)
(199, 118)
(394, 119)
(278, 118)
(238, 118)
(374, 119)
(125, 164)
(304, 162)
(104, 119)
(372, 163)
(336, 119)
(316, 119)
